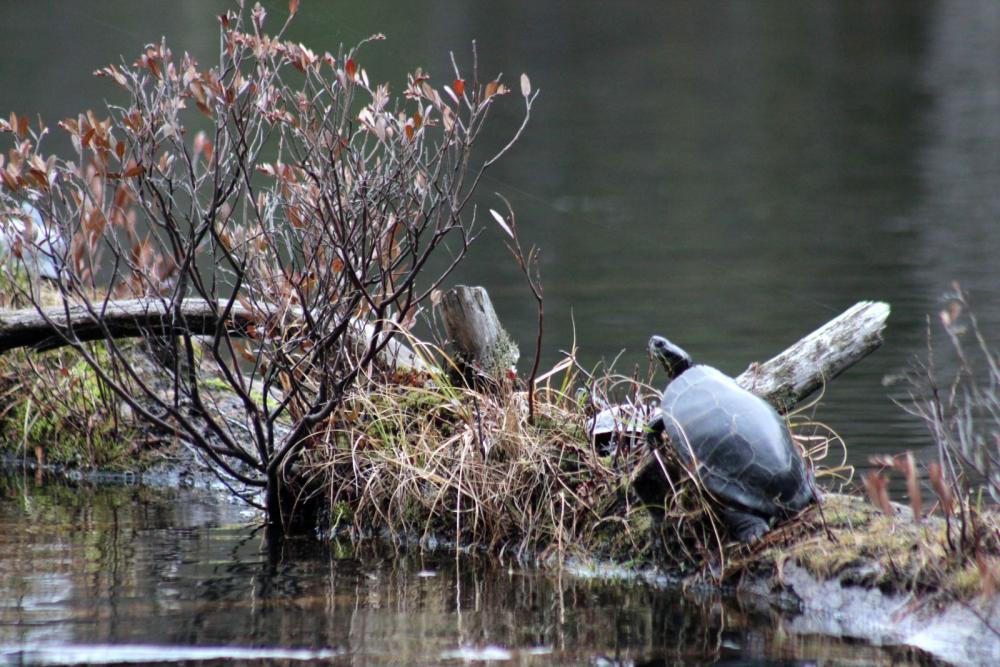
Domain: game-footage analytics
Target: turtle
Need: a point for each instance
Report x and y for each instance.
(737, 443)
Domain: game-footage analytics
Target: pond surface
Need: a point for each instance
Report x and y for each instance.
(728, 174)
(116, 575)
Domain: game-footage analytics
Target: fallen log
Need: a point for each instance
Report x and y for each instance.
(809, 364)
(56, 326)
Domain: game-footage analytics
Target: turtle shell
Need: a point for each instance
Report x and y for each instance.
(742, 448)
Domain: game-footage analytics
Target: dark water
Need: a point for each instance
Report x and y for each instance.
(122, 575)
(728, 174)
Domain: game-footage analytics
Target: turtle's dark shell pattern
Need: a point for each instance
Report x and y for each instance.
(744, 452)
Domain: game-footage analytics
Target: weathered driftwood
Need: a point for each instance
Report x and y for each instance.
(821, 356)
(129, 318)
(474, 330)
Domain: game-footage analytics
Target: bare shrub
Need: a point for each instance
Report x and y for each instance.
(962, 413)
(313, 199)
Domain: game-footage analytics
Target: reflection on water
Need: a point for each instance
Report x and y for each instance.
(728, 174)
(123, 575)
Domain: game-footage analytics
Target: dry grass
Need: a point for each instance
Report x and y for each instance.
(433, 460)
(438, 460)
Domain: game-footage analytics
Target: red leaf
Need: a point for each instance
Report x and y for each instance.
(459, 87)
(293, 6)
(351, 68)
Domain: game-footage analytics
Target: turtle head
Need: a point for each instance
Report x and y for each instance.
(675, 360)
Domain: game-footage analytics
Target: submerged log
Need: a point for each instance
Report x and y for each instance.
(131, 318)
(474, 331)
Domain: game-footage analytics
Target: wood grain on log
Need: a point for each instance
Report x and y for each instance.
(813, 361)
(474, 330)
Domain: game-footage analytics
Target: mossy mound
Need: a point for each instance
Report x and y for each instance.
(55, 409)
(861, 546)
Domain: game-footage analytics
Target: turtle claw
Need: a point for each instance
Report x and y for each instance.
(745, 527)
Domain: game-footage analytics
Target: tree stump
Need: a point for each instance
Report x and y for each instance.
(474, 332)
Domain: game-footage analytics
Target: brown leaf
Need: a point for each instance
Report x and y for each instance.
(293, 6)
(418, 120)
(244, 351)
(294, 218)
(409, 318)
(492, 87)
(986, 574)
(941, 488)
(134, 170)
(877, 487)
(409, 131)
(913, 486)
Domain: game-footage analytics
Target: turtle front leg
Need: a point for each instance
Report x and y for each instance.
(654, 431)
(745, 527)
(650, 481)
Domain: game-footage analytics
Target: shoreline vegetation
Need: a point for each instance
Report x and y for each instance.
(431, 456)
(242, 298)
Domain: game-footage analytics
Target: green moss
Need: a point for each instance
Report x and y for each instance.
(61, 407)
(215, 384)
(502, 357)
(894, 554)
(341, 514)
